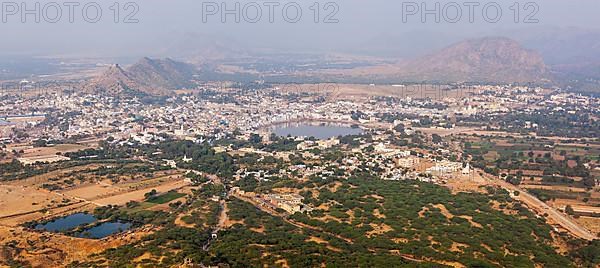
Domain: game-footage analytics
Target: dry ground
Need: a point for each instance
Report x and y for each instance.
(91, 191)
(21, 199)
(24, 200)
(41, 249)
(49, 151)
(591, 223)
(122, 199)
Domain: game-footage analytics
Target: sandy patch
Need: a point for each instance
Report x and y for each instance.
(466, 183)
(488, 248)
(444, 211)
(351, 215)
(283, 263)
(50, 151)
(452, 264)
(471, 221)
(328, 218)
(458, 247)
(38, 180)
(324, 206)
(258, 230)
(378, 214)
(314, 192)
(379, 229)
(449, 215)
(378, 197)
(400, 240)
(92, 191)
(590, 223)
(336, 185)
(43, 249)
(20, 199)
(423, 211)
(145, 256)
(319, 240)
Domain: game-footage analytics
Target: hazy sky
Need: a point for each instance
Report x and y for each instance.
(163, 25)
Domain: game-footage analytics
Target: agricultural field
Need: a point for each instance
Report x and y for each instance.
(562, 173)
(60, 187)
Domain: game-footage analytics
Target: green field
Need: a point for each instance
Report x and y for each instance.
(165, 198)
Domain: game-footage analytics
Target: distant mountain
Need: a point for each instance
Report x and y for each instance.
(204, 48)
(561, 46)
(407, 45)
(114, 81)
(149, 76)
(166, 74)
(572, 53)
(491, 59)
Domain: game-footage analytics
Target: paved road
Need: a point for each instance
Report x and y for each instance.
(556, 216)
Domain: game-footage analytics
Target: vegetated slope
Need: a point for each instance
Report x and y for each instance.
(377, 223)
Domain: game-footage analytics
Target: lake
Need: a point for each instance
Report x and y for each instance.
(67, 223)
(82, 220)
(322, 131)
(105, 229)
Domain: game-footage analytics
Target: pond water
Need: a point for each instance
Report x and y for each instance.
(322, 132)
(67, 223)
(82, 220)
(105, 229)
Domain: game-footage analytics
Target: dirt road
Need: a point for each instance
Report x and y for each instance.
(540, 207)
(222, 216)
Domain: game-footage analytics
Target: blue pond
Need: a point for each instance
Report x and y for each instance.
(67, 223)
(105, 229)
(82, 219)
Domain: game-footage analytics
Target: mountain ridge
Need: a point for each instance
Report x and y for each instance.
(488, 59)
(148, 76)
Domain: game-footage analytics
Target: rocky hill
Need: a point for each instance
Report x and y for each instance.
(114, 81)
(480, 60)
(167, 73)
(148, 76)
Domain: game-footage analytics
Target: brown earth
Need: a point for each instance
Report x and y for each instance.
(41, 249)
